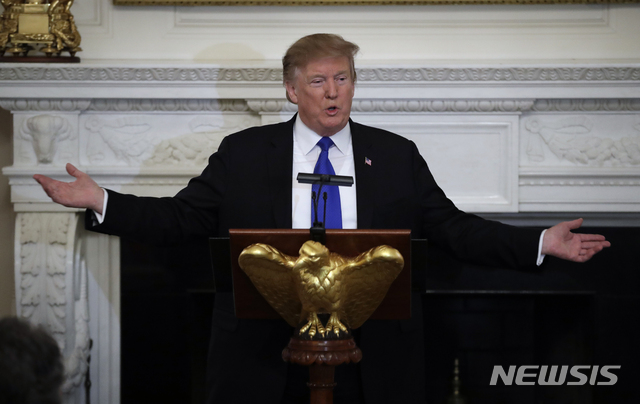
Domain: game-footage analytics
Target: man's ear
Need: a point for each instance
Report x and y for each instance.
(291, 93)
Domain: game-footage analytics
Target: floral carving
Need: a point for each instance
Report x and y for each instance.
(43, 254)
(44, 105)
(77, 362)
(437, 106)
(51, 269)
(327, 352)
(146, 105)
(503, 74)
(587, 105)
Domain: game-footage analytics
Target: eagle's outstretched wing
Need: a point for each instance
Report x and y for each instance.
(367, 279)
(271, 273)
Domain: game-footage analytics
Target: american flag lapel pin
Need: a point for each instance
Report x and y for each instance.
(367, 161)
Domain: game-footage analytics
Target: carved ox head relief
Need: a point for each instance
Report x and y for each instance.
(45, 132)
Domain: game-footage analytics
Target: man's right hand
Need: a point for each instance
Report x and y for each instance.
(84, 192)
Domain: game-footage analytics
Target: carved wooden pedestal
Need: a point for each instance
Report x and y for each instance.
(322, 357)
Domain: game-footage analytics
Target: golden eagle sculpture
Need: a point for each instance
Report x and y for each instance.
(320, 281)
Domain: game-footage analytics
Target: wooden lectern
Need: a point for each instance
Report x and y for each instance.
(321, 356)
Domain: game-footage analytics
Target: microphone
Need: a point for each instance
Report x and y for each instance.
(339, 180)
(318, 230)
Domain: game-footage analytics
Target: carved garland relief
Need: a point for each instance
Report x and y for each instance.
(137, 140)
(572, 139)
(416, 75)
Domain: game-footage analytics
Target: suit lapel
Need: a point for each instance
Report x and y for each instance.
(280, 166)
(365, 178)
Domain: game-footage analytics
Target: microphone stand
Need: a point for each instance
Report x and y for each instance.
(318, 230)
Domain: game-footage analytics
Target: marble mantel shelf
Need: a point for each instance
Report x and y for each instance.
(165, 80)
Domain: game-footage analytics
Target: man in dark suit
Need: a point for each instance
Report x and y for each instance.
(249, 183)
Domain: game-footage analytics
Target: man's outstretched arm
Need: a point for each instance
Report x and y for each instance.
(84, 192)
(560, 242)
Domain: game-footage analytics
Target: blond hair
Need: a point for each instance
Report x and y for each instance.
(313, 47)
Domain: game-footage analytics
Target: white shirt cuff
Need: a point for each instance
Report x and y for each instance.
(97, 217)
(540, 255)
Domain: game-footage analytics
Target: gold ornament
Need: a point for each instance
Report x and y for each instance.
(320, 281)
(27, 23)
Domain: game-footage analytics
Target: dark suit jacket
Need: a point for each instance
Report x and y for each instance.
(247, 184)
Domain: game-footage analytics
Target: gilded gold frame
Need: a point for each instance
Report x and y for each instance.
(349, 2)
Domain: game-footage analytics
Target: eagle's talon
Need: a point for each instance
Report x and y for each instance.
(306, 327)
(335, 324)
(314, 326)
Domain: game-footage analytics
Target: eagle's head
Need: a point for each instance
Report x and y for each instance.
(314, 254)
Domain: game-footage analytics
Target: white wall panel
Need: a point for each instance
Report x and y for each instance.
(93, 17)
(390, 34)
(474, 159)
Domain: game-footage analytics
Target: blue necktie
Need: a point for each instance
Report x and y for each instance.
(323, 166)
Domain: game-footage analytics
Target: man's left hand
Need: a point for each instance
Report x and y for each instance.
(560, 242)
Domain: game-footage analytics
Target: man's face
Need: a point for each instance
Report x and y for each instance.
(323, 90)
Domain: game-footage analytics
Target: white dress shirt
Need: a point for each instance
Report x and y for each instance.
(305, 156)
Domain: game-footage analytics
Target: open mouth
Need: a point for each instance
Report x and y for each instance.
(332, 110)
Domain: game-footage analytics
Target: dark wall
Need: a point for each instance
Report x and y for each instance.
(559, 314)
(166, 306)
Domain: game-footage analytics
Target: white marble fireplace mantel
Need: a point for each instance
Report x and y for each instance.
(500, 139)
